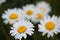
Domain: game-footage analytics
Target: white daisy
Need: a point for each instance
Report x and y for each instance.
(28, 11)
(2, 1)
(38, 16)
(21, 29)
(13, 15)
(49, 25)
(43, 6)
(59, 19)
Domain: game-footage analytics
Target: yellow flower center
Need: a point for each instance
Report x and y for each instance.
(42, 8)
(10, 22)
(22, 29)
(39, 16)
(29, 12)
(50, 25)
(13, 16)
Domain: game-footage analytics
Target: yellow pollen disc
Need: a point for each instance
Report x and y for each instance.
(42, 8)
(50, 25)
(29, 12)
(39, 16)
(22, 29)
(13, 16)
(10, 22)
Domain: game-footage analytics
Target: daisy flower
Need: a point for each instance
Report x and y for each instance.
(28, 11)
(2, 1)
(38, 16)
(59, 19)
(13, 15)
(43, 6)
(21, 29)
(49, 25)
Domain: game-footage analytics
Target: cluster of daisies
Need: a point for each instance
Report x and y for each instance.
(22, 18)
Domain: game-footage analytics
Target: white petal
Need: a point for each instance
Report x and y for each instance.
(13, 34)
(44, 33)
(58, 30)
(49, 18)
(4, 16)
(20, 39)
(55, 31)
(53, 17)
(25, 36)
(42, 22)
(29, 32)
(32, 29)
(48, 35)
(51, 34)
(17, 36)
(12, 27)
(39, 26)
(6, 21)
(12, 31)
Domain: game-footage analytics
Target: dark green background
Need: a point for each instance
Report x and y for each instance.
(4, 29)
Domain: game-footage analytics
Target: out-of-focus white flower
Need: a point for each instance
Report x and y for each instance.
(38, 16)
(43, 6)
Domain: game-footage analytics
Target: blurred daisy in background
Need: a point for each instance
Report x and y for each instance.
(28, 11)
(2, 1)
(49, 25)
(21, 29)
(43, 6)
(13, 15)
(38, 16)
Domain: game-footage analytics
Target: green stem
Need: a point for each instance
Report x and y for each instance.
(6, 34)
(54, 37)
(46, 37)
(34, 36)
